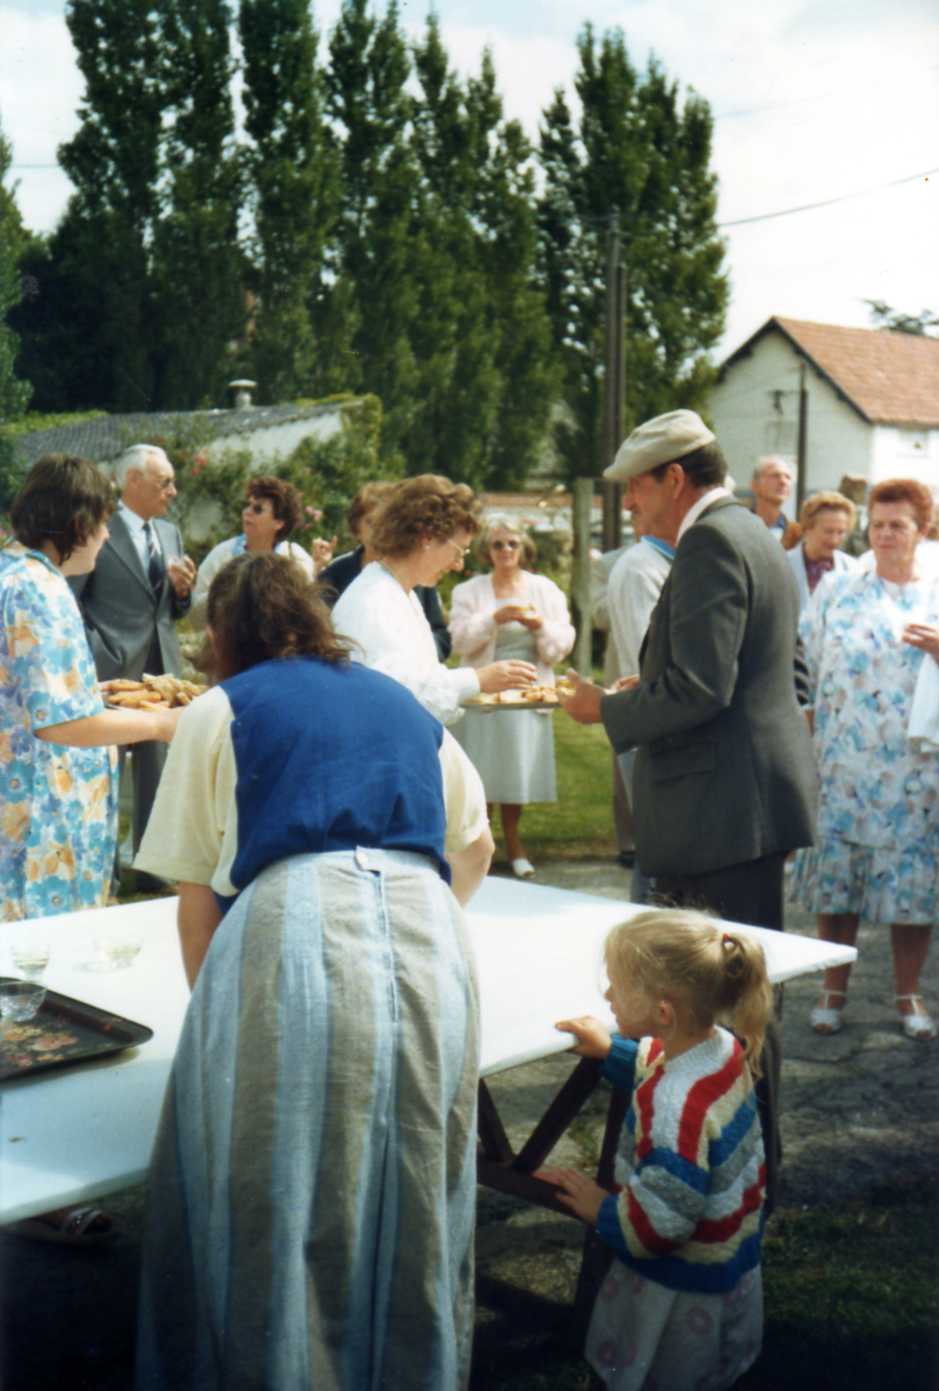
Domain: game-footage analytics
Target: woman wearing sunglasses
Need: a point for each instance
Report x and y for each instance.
(511, 614)
(272, 510)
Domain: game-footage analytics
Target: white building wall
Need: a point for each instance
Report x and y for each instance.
(900, 452)
(755, 411)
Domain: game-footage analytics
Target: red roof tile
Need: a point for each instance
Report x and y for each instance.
(890, 378)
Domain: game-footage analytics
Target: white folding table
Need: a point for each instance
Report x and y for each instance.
(78, 1133)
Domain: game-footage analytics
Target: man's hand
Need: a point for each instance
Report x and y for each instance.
(583, 702)
(181, 573)
(579, 1193)
(625, 683)
(322, 553)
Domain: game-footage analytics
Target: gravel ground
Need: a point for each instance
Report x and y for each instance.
(860, 1109)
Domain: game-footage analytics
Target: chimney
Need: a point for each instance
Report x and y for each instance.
(243, 389)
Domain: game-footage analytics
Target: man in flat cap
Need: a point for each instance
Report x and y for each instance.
(724, 777)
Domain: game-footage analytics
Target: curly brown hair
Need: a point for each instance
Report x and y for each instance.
(908, 490)
(64, 499)
(285, 501)
(265, 607)
(426, 508)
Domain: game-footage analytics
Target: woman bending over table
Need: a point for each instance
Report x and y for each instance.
(272, 510)
(313, 1180)
(58, 799)
(867, 634)
(422, 531)
(511, 613)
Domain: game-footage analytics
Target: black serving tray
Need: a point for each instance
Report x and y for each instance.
(63, 1032)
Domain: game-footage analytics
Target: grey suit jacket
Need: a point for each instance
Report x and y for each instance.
(724, 773)
(123, 616)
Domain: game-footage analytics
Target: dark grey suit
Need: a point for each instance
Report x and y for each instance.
(724, 773)
(724, 777)
(132, 630)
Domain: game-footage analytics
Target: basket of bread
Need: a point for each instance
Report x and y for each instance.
(150, 693)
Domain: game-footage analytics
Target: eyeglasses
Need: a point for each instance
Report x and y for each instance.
(506, 545)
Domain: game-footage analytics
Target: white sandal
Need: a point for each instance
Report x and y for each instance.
(523, 868)
(921, 1027)
(824, 1019)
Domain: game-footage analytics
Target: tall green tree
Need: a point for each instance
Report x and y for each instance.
(98, 257)
(640, 155)
(292, 175)
(368, 301)
(14, 393)
(199, 267)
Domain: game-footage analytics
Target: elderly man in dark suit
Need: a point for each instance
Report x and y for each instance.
(724, 775)
(140, 586)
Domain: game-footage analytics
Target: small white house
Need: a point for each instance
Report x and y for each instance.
(871, 403)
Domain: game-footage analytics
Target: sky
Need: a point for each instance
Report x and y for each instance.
(815, 101)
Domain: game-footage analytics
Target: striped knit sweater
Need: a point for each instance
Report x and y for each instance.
(689, 1214)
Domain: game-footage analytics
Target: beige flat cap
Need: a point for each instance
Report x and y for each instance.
(659, 441)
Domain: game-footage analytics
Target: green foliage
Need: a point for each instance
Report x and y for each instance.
(883, 316)
(641, 160)
(14, 393)
(327, 474)
(292, 177)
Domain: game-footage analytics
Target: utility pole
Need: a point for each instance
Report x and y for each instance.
(802, 443)
(614, 382)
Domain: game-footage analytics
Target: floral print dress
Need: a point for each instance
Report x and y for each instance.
(58, 805)
(877, 851)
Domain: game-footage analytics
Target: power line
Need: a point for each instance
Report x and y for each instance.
(828, 202)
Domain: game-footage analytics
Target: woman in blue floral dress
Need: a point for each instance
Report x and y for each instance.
(866, 635)
(57, 793)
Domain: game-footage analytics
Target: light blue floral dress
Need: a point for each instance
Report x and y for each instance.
(58, 805)
(877, 851)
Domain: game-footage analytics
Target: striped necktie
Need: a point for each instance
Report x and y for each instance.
(155, 570)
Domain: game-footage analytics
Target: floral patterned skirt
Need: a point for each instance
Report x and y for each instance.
(645, 1337)
(880, 885)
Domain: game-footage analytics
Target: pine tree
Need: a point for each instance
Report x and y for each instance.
(199, 268)
(640, 157)
(293, 176)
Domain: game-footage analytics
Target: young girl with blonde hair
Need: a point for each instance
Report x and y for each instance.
(682, 1307)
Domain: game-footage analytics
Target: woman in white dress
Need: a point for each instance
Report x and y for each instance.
(511, 613)
(422, 531)
(272, 510)
(867, 635)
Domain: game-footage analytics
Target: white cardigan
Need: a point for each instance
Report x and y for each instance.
(474, 629)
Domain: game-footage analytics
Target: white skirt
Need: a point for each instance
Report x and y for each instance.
(513, 752)
(645, 1337)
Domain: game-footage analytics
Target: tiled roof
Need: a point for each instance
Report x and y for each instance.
(889, 378)
(105, 436)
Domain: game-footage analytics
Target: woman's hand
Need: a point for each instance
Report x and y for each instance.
(579, 1193)
(505, 676)
(923, 636)
(593, 1037)
(511, 613)
(533, 621)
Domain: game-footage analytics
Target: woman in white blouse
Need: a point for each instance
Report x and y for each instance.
(511, 613)
(422, 531)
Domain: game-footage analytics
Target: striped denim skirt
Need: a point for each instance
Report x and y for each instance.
(312, 1192)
